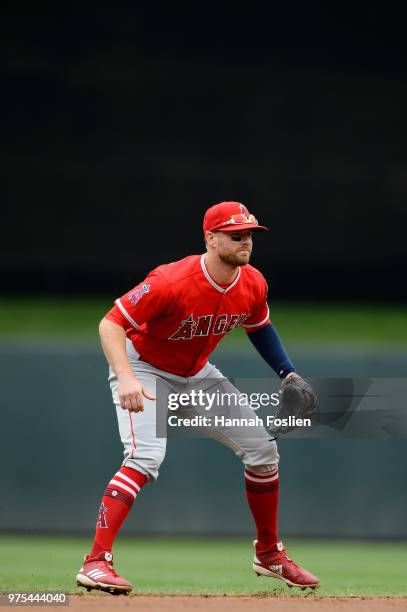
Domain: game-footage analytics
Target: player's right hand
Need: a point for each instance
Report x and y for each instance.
(131, 393)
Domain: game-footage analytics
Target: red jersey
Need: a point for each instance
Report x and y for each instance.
(178, 314)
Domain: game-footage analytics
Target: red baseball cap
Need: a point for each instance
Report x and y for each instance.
(230, 217)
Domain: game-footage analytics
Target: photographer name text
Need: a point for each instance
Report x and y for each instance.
(223, 421)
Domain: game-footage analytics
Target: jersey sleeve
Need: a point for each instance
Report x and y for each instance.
(260, 317)
(144, 302)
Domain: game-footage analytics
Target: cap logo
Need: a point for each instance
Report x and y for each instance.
(244, 210)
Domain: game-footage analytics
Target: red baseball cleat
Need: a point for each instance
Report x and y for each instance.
(278, 565)
(98, 573)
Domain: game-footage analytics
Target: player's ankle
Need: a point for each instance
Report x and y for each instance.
(98, 553)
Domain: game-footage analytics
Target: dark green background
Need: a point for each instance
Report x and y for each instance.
(60, 446)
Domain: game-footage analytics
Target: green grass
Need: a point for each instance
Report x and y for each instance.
(205, 567)
(40, 319)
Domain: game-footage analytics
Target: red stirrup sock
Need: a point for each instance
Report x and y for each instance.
(117, 501)
(262, 496)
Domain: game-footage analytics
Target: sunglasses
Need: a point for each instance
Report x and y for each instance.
(240, 219)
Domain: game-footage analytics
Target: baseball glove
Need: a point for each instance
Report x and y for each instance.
(297, 400)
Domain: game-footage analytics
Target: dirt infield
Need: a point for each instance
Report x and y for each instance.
(238, 604)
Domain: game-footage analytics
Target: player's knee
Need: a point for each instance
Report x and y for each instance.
(154, 461)
(263, 458)
(149, 464)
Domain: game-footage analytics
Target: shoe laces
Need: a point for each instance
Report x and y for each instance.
(282, 557)
(110, 567)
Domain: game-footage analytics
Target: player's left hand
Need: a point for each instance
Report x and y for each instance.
(297, 399)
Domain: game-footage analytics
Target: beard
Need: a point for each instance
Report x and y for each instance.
(234, 259)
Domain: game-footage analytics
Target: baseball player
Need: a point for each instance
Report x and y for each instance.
(165, 329)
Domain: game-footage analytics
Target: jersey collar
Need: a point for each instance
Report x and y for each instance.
(212, 282)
